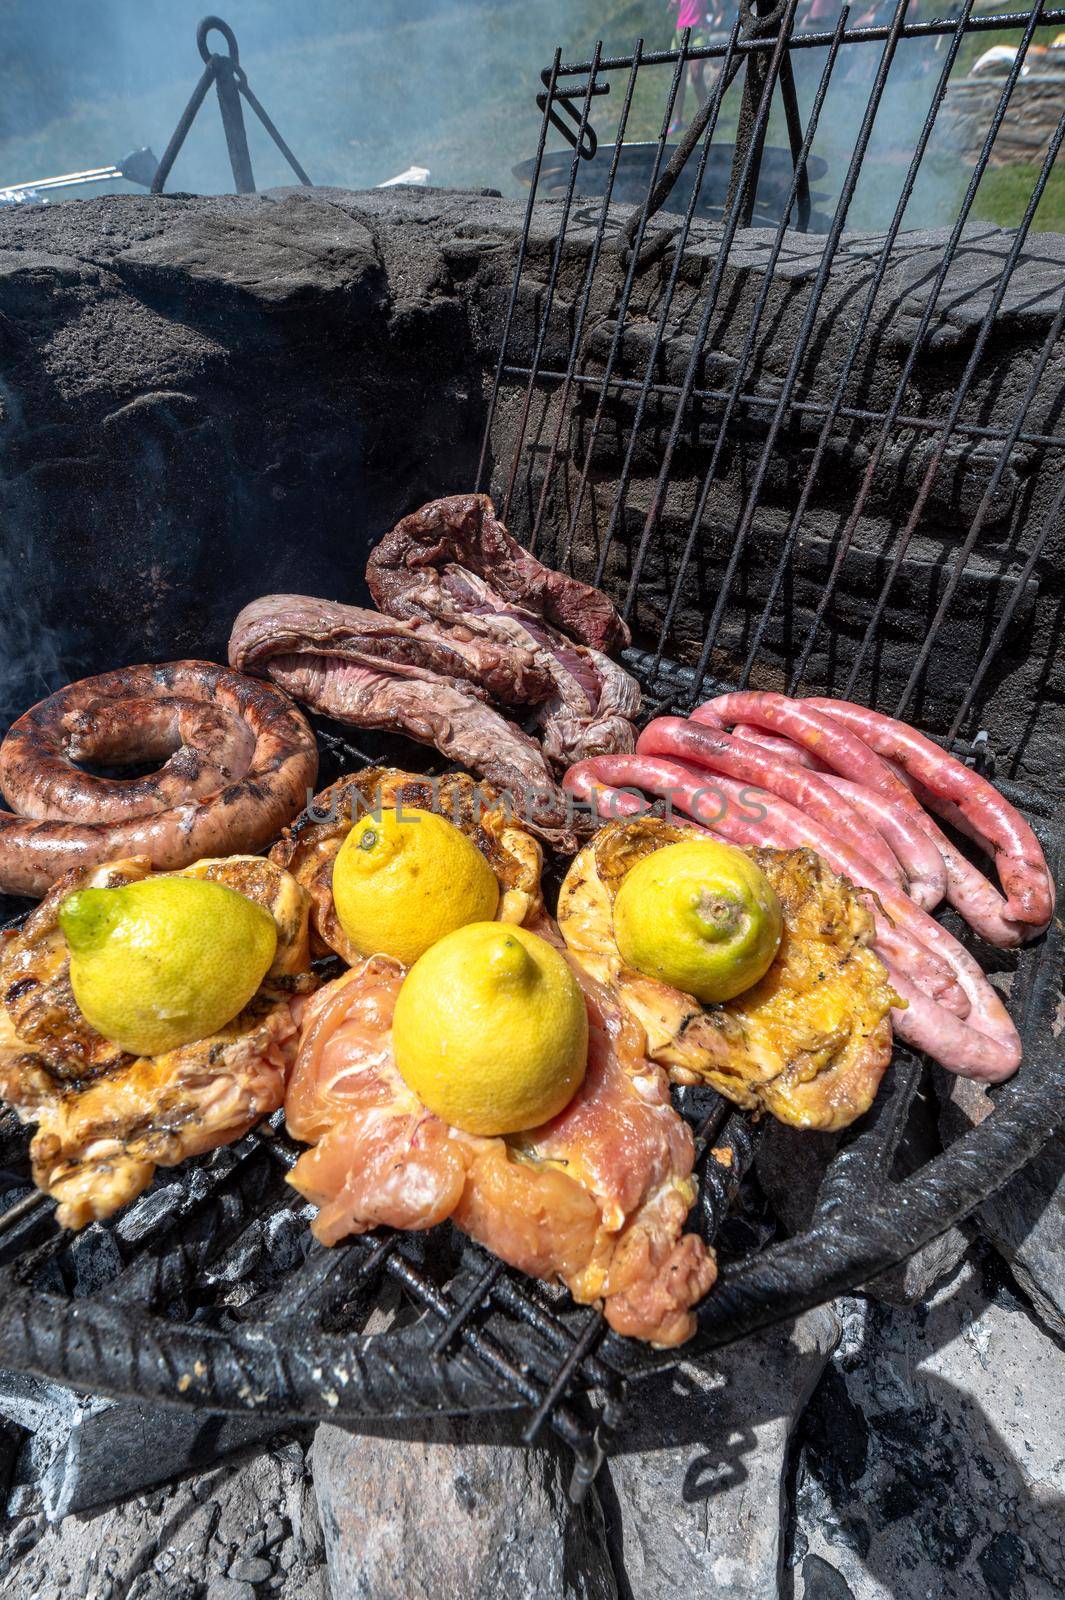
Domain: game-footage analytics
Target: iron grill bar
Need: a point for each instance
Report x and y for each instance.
(812, 408)
(751, 157)
(884, 436)
(651, 520)
(523, 246)
(549, 294)
(586, 295)
(932, 470)
(799, 354)
(1050, 521)
(630, 278)
(563, 1376)
(720, 89)
(965, 550)
(935, 28)
(864, 317)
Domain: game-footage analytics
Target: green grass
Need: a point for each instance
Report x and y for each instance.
(363, 90)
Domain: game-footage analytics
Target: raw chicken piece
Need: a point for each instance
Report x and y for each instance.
(596, 1198)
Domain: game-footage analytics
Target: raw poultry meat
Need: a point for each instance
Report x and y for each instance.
(596, 1198)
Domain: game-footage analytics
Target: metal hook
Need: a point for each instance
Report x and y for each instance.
(216, 25)
(230, 81)
(589, 143)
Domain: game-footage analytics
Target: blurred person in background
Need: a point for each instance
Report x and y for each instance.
(709, 25)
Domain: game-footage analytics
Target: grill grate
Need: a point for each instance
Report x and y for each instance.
(145, 1304)
(574, 414)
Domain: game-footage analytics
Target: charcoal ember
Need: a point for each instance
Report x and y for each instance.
(455, 1506)
(1025, 1221)
(696, 1477)
(933, 1464)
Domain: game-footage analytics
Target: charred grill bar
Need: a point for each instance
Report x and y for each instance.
(656, 449)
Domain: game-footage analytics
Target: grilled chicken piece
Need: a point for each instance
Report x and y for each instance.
(310, 846)
(106, 1119)
(810, 1042)
(596, 1198)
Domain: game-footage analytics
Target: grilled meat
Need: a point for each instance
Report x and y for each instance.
(462, 530)
(597, 1198)
(507, 671)
(310, 846)
(241, 761)
(436, 711)
(105, 1119)
(465, 576)
(809, 1042)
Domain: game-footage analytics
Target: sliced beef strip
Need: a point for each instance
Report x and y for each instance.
(508, 670)
(425, 705)
(463, 529)
(593, 700)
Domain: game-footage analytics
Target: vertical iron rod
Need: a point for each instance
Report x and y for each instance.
(899, 395)
(549, 294)
(861, 326)
(626, 292)
(965, 550)
(586, 295)
(744, 358)
(1051, 521)
(802, 342)
(523, 245)
(939, 450)
(618, 508)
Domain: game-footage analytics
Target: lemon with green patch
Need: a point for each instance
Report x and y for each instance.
(491, 1030)
(158, 964)
(405, 878)
(700, 916)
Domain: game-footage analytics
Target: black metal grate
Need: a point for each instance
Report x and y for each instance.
(595, 403)
(144, 1304)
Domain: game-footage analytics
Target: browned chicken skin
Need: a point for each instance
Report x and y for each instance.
(810, 1042)
(310, 846)
(105, 1120)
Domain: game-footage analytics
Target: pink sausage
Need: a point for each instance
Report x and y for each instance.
(786, 749)
(903, 832)
(713, 748)
(1019, 858)
(923, 864)
(751, 818)
(986, 1047)
(967, 889)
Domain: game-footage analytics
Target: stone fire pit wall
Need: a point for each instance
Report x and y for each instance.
(203, 399)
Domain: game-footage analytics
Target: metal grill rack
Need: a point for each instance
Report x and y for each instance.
(154, 1320)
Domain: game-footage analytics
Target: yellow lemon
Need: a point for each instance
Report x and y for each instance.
(406, 878)
(700, 916)
(491, 1030)
(157, 964)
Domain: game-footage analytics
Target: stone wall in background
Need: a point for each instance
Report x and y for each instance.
(205, 398)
